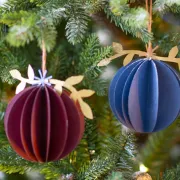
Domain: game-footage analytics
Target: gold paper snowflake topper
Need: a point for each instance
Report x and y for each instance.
(58, 86)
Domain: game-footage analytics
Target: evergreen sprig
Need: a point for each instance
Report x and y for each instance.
(91, 54)
(155, 153)
(9, 59)
(118, 156)
(16, 5)
(167, 41)
(83, 60)
(131, 20)
(10, 162)
(172, 174)
(115, 176)
(46, 16)
(163, 6)
(77, 23)
(94, 6)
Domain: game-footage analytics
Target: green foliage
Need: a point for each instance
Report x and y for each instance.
(115, 176)
(60, 63)
(3, 138)
(16, 5)
(83, 60)
(37, 20)
(119, 154)
(133, 21)
(9, 60)
(21, 34)
(2, 110)
(155, 153)
(91, 54)
(119, 6)
(107, 125)
(96, 136)
(29, 28)
(163, 6)
(94, 6)
(10, 162)
(49, 14)
(77, 22)
(167, 41)
(172, 174)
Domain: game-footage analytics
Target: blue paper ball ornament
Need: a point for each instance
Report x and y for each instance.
(145, 95)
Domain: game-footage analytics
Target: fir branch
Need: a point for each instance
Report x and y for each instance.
(119, 7)
(83, 60)
(9, 60)
(3, 105)
(31, 27)
(115, 176)
(12, 18)
(53, 170)
(155, 153)
(91, 136)
(23, 33)
(80, 155)
(107, 125)
(10, 162)
(54, 10)
(172, 174)
(118, 151)
(167, 41)
(77, 22)
(60, 64)
(55, 14)
(163, 6)
(51, 13)
(133, 21)
(16, 5)
(48, 33)
(94, 6)
(90, 56)
(98, 85)
(94, 141)
(40, 2)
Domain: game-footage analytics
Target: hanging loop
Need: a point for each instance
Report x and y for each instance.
(43, 58)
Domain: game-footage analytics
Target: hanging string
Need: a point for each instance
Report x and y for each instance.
(43, 58)
(149, 10)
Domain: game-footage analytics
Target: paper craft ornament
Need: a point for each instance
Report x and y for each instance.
(144, 95)
(43, 125)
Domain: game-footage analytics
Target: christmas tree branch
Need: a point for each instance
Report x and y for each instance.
(163, 6)
(171, 174)
(119, 156)
(155, 153)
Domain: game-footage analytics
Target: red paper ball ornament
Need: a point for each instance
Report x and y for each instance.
(42, 125)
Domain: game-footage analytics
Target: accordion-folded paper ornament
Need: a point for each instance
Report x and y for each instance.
(145, 95)
(43, 125)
